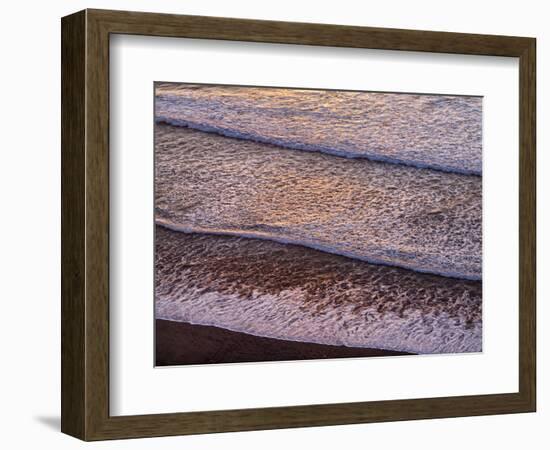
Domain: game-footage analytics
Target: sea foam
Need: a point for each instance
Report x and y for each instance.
(428, 131)
(287, 292)
(419, 219)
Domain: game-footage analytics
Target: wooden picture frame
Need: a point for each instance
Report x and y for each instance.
(85, 224)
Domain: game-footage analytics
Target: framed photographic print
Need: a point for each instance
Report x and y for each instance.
(271, 224)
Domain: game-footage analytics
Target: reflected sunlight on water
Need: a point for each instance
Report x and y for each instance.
(442, 132)
(381, 193)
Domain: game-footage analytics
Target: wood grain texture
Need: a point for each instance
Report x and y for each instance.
(85, 224)
(151, 24)
(527, 224)
(73, 107)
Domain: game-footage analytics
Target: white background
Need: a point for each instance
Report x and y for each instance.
(139, 388)
(29, 177)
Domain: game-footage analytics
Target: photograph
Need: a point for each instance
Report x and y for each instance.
(296, 224)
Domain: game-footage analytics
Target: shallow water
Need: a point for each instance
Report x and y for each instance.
(420, 219)
(295, 293)
(343, 218)
(437, 131)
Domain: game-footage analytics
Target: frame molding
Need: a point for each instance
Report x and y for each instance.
(85, 224)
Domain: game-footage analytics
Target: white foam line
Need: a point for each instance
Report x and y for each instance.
(323, 248)
(228, 132)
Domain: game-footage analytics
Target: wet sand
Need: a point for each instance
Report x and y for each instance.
(292, 293)
(179, 343)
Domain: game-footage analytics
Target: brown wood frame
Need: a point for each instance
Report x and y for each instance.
(85, 224)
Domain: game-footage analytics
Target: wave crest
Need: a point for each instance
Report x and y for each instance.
(295, 145)
(423, 220)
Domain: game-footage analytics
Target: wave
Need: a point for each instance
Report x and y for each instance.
(294, 293)
(428, 131)
(422, 220)
(271, 236)
(293, 145)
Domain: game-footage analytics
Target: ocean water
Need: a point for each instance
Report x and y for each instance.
(291, 292)
(341, 218)
(442, 132)
(421, 219)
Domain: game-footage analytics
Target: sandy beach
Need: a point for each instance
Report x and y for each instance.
(179, 343)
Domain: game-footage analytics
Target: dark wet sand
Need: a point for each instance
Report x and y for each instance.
(179, 343)
(294, 293)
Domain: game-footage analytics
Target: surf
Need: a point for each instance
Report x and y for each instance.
(266, 235)
(293, 145)
(426, 131)
(288, 292)
(418, 219)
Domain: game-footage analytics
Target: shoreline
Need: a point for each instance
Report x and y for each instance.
(266, 236)
(180, 343)
(293, 293)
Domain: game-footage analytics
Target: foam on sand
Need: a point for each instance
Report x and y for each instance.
(294, 293)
